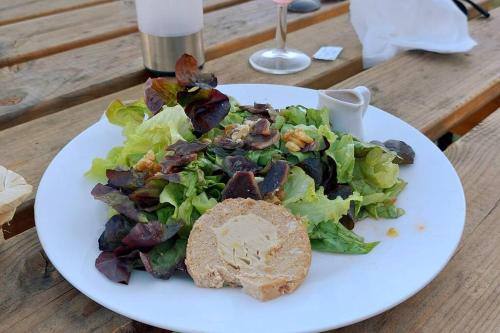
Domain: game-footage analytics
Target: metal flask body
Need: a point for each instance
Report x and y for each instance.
(168, 29)
(161, 53)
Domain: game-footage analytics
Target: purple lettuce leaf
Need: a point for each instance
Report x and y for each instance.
(165, 258)
(118, 201)
(125, 179)
(113, 267)
(189, 75)
(205, 108)
(115, 230)
(148, 196)
(185, 148)
(172, 164)
(144, 235)
(159, 92)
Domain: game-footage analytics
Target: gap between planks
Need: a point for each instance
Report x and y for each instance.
(28, 10)
(92, 25)
(384, 80)
(45, 86)
(32, 10)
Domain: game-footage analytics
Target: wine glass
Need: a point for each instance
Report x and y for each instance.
(280, 60)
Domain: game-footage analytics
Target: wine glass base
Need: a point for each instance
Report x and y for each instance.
(279, 61)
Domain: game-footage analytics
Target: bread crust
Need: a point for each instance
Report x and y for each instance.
(288, 265)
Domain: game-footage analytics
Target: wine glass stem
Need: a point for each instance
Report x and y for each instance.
(281, 27)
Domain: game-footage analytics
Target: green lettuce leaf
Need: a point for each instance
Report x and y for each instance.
(202, 202)
(335, 238)
(341, 150)
(164, 258)
(127, 115)
(299, 186)
(155, 133)
(173, 194)
(294, 115)
(321, 209)
(318, 117)
(378, 169)
(264, 156)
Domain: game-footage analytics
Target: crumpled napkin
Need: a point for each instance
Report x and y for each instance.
(13, 191)
(387, 27)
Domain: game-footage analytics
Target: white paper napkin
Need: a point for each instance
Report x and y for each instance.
(387, 27)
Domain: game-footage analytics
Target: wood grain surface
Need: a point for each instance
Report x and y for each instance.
(36, 298)
(50, 84)
(50, 133)
(19, 156)
(47, 35)
(211, 5)
(435, 92)
(20, 10)
(465, 297)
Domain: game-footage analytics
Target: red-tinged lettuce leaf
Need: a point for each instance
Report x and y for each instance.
(148, 196)
(275, 178)
(188, 74)
(118, 201)
(144, 235)
(165, 258)
(125, 179)
(159, 92)
(113, 267)
(115, 230)
(206, 109)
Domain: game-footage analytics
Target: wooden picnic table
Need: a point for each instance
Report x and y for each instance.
(63, 61)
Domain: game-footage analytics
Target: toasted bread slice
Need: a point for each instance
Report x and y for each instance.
(253, 244)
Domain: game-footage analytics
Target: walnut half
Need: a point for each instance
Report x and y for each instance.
(296, 139)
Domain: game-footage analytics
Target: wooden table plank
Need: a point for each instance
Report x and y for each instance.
(50, 84)
(31, 159)
(211, 5)
(49, 35)
(32, 290)
(465, 297)
(435, 92)
(19, 10)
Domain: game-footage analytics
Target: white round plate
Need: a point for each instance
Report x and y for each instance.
(339, 290)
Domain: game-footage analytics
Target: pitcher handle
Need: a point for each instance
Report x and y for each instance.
(366, 94)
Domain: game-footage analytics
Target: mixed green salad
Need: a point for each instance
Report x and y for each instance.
(188, 146)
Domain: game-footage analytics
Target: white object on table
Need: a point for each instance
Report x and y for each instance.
(13, 191)
(387, 27)
(328, 53)
(347, 107)
(169, 18)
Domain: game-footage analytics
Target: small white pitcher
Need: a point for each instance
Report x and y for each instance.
(347, 108)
